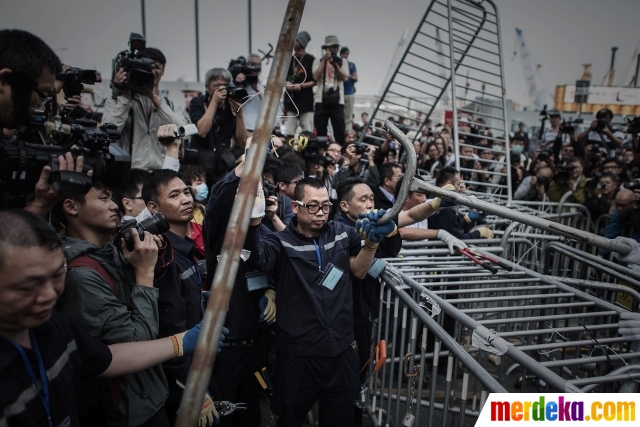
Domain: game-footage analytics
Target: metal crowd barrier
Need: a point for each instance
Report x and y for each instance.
(455, 332)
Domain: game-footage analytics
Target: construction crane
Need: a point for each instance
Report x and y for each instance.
(538, 92)
(632, 70)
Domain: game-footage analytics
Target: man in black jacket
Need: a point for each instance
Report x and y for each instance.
(243, 353)
(312, 262)
(384, 194)
(180, 298)
(298, 101)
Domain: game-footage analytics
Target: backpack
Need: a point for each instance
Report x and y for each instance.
(88, 398)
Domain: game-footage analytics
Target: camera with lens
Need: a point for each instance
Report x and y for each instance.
(49, 136)
(360, 148)
(139, 77)
(74, 79)
(336, 58)
(569, 126)
(312, 151)
(269, 190)
(632, 185)
(633, 125)
(563, 172)
(235, 93)
(543, 181)
(250, 71)
(594, 182)
(544, 155)
(156, 224)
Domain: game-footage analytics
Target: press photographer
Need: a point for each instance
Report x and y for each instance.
(299, 87)
(569, 177)
(245, 73)
(330, 72)
(220, 122)
(136, 107)
(602, 132)
(353, 165)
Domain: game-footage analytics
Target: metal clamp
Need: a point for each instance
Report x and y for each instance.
(416, 369)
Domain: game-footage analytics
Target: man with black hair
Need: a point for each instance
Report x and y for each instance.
(36, 339)
(180, 287)
(572, 180)
(112, 300)
(242, 355)
(139, 115)
(278, 211)
(312, 262)
(129, 199)
(384, 194)
(28, 69)
(601, 131)
(290, 175)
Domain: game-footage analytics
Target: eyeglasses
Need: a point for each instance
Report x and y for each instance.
(313, 208)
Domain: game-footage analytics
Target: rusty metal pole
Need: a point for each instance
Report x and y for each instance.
(223, 281)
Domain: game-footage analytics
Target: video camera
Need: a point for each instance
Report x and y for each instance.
(156, 224)
(50, 135)
(312, 151)
(632, 185)
(240, 65)
(74, 79)
(139, 77)
(633, 125)
(569, 126)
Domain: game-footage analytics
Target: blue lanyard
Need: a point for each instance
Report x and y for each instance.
(318, 255)
(194, 266)
(44, 393)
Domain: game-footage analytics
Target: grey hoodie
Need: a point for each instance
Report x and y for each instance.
(89, 302)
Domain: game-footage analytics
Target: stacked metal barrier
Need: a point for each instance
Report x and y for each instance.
(531, 329)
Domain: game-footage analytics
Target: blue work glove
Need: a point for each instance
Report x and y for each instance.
(223, 336)
(373, 233)
(474, 216)
(185, 342)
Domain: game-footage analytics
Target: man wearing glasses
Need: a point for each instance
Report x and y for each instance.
(312, 262)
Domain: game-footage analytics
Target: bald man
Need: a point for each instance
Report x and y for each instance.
(624, 219)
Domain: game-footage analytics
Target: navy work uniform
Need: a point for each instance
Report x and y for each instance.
(316, 354)
(242, 354)
(180, 308)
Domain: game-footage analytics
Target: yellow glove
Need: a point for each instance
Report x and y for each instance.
(270, 309)
(209, 414)
(485, 232)
(435, 203)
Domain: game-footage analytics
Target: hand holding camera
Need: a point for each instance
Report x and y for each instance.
(45, 195)
(144, 255)
(219, 96)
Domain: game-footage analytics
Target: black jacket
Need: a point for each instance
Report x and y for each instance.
(243, 315)
(180, 306)
(380, 199)
(312, 320)
(447, 219)
(366, 292)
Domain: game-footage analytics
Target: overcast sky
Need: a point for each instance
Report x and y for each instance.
(561, 34)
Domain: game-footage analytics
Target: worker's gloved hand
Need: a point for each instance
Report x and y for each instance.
(223, 336)
(387, 230)
(185, 342)
(438, 203)
(451, 240)
(474, 216)
(268, 307)
(485, 232)
(629, 325)
(633, 259)
(373, 234)
(209, 414)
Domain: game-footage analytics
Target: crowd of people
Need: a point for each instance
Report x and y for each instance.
(99, 316)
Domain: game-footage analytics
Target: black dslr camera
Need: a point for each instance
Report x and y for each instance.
(156, 224)
(269, 190)
(563, 172)
(632, 185)
(313, 151)
(360, 148)
(235, 93)
(139, 76)
(75, 78)
(49, 136)
(633, 125)
(336, 58)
